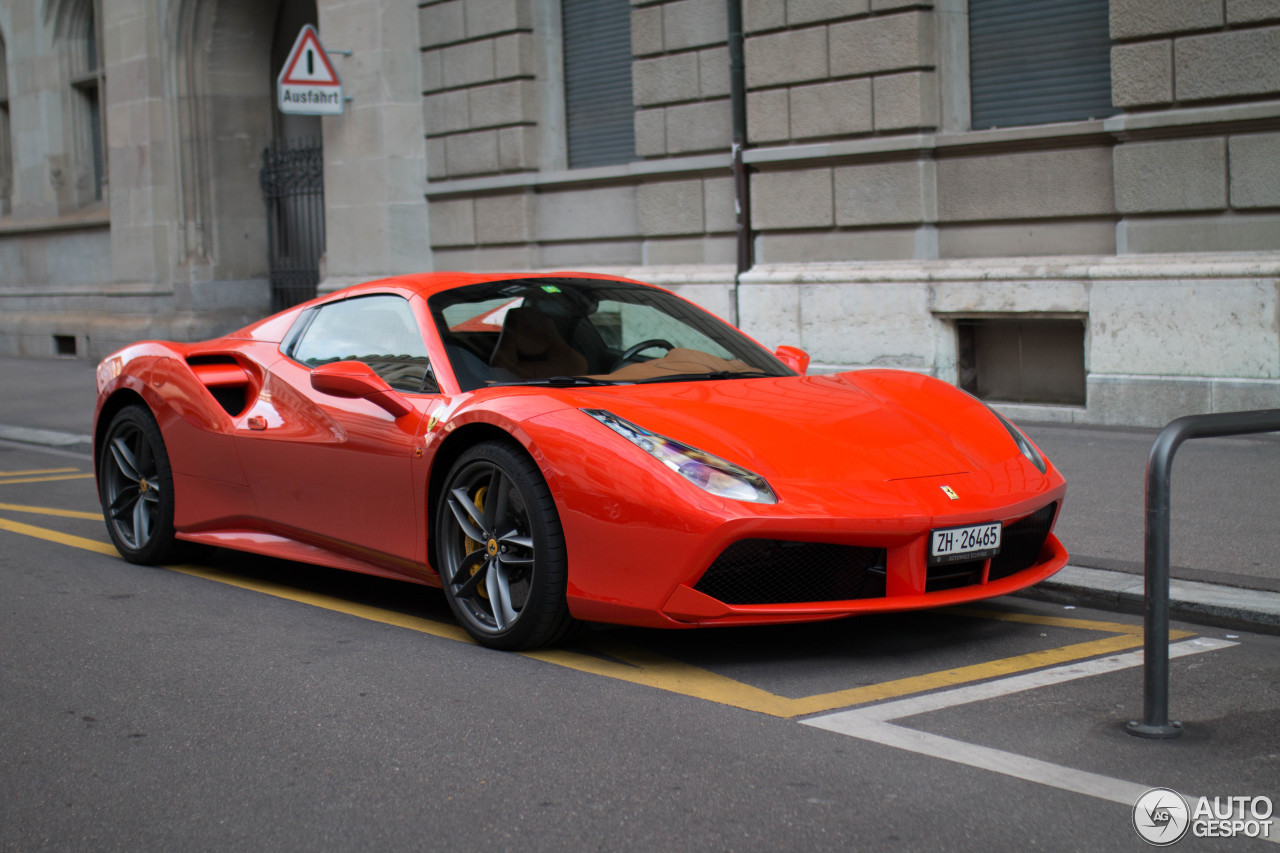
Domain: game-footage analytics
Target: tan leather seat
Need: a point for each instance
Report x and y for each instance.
(532, 348)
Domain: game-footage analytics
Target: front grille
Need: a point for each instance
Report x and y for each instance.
(771, 571)
(1021, 543)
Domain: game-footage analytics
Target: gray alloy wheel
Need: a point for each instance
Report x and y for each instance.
(501, 551)
(135, 485)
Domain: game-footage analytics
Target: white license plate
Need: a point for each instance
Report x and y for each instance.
(975, 542)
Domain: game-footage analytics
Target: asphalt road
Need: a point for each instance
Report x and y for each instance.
(251, 703)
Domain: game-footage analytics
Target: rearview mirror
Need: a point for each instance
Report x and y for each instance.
(794, 358)
(355, 379)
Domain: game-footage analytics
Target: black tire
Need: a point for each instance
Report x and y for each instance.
(500, 550)
(135, 485)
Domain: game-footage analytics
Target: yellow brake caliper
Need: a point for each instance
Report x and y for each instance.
(469, 545)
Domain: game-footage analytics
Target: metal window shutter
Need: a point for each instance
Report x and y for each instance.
(1038, 61)
(597, 82)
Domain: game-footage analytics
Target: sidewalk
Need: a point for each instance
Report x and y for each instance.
(1225, 533)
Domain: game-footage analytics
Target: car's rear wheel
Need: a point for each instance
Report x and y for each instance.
(500, 549)
(135, 484)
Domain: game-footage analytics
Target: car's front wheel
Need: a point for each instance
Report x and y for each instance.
(135, 484)
(500, 549)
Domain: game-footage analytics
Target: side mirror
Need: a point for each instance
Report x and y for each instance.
(794, 358)
(355, 379)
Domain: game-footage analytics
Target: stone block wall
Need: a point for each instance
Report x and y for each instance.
(1210, 70)
(881, 220)
(853, 162)
(680, 84)
(480, 104)
(1165, 337)
(489, 85)
(375, 161)
(680, 77)
(823, 70)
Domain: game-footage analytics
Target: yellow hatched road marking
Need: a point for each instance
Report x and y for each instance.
(4, 482)
(636, 665)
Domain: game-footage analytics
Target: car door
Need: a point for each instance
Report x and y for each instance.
(335, 471)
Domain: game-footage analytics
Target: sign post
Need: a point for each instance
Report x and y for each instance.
(307, 84)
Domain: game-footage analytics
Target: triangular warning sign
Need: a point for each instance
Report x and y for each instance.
(308, 64)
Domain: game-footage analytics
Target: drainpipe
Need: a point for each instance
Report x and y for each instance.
(741, 181)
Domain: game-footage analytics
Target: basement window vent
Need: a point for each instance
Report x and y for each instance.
(1023, 361)
(64, 345)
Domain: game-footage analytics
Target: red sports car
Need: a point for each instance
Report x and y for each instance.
(558, 447)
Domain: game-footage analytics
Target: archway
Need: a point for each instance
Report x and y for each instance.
(222, 87)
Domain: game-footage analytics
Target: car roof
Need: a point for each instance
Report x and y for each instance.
(430, 283)
(424, 285)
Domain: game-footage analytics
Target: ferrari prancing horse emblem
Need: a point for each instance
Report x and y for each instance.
(950, 492)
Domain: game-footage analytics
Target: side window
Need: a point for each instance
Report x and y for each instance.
(380, 331)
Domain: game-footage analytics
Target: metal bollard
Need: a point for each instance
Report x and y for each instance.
(1155, 701)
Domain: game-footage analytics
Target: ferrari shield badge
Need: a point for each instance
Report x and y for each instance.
(950, 492)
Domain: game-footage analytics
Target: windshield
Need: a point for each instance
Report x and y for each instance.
(562, 331)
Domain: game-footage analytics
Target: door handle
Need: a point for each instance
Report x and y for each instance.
(257, 422)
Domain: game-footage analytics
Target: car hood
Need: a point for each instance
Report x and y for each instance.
(859, 426)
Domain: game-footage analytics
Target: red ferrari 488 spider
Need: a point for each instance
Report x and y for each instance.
(559, 447)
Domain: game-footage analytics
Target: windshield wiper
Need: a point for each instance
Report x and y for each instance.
(710, 374)
(559, 381)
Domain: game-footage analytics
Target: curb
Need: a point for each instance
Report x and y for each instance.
(1191, 601)
(43, 437)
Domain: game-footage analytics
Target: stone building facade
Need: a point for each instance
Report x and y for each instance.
(1071, 207)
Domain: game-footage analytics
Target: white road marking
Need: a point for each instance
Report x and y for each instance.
(913, 705)
(995, 760)
(873, 724)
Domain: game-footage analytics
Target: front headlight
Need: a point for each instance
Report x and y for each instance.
(1024, 444)
(707, 472)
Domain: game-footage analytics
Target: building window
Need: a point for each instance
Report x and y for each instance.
(1039, 61)
(599, 115)
(1023, 361)
(88, 87)
(6, 144)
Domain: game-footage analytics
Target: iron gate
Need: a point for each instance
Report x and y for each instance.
(292, 179)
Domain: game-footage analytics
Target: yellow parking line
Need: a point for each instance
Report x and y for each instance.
(35, 471)
(4, 482)
(61, 538)
(632, 664)
(636, 665)
(327, 602)
(641, 666)
(1054, 621)
(44, 510)
(965, 674)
